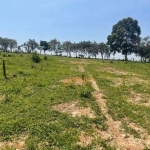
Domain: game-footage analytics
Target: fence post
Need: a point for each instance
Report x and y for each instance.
(4, 69)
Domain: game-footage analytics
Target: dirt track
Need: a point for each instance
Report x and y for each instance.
(115, 134)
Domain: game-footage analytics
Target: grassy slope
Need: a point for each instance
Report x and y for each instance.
(31, 89)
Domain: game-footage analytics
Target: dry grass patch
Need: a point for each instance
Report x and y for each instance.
(116, 71)
(139, 98)
(81, 62)
(17, 143)
(2, 97)
(127, 81)
(81, 68)
(75, 80)
(143, 132)
(85, 140)
(78, 68)
(61, 60)
(72, 109)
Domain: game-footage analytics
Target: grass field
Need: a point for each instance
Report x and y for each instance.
(74, 104)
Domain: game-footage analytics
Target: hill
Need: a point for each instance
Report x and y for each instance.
(70, 103)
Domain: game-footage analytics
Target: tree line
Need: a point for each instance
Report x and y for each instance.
(124, 38)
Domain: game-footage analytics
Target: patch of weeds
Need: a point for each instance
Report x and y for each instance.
(99, 122)
(83, 77)
(40, 84)
(70, 87)
(144, 101)
(86, 94)
(22, 73)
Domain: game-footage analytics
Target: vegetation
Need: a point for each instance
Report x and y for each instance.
(50, 102)
(32, 96)
(125, 38)
(36, 58)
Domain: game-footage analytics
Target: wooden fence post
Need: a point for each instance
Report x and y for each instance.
(4, 69)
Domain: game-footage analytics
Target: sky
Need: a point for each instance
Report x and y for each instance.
(69, 20)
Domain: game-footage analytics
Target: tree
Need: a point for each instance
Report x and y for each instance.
(43, 46)
(67, 46)
(102, 48)
(12, 44)
(54, 45)
(5, 44)
(30, 45)
(124, 36)
(83, 48)
(75, 48)
(143, 48)
(1, 42)
(92, 49)
(107, 51)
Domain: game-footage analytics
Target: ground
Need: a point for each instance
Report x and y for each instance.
(76, 104)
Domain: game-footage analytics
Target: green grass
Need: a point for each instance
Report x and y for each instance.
(31, 89)
(117, 97)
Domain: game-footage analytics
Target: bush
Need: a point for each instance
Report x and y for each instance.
(4, 55)
(45, 57)
(36, 58)
(9, 55)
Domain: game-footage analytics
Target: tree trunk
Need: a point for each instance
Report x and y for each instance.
(126, 58)
(102, 56)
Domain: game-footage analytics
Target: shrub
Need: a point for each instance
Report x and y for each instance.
(4, 55)
(36, 58)
(45, 57)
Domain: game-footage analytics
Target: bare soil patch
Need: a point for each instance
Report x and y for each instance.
(61, 60)
(78, 68)
(116, 71)
(81, 68)
(82, 62)
(115, 135)
(75, 80)
(17, 143)
(143, 133)
(127, 81)
(72, 109)
(139, 98)
(85, 140)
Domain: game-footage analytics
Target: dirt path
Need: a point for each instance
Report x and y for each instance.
(115, 135)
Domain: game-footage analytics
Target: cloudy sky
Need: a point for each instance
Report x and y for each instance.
(74, 20)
